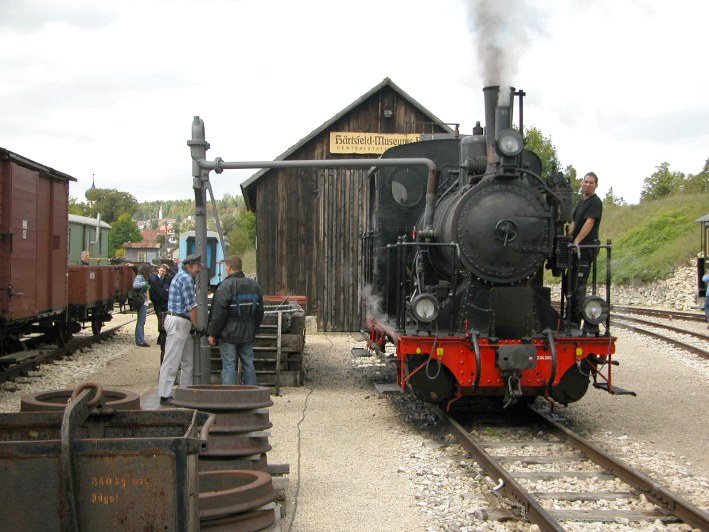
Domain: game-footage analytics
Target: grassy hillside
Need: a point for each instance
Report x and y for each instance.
(652, 238)
(249, 259)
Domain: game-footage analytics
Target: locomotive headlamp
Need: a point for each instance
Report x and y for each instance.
(425, 308)
(594, 310)
(510, 142)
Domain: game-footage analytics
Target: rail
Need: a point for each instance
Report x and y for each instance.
(549, 520)
(18, 364)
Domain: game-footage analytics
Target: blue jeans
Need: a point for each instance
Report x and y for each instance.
(140, 325)
(706, 308)
(246, 355)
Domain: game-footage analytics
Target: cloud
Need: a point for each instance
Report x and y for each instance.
(33, 15)
(668, 127)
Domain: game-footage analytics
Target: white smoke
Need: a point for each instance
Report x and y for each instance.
(502, 32)
(372, 302)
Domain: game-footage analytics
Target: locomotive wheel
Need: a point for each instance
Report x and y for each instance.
(96, 323)
(430, 389)
(572, 386)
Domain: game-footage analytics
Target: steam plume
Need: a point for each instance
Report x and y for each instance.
(501, 31)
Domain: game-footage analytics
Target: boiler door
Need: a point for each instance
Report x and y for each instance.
(504, 230)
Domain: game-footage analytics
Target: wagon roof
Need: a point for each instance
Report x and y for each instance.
(85, 220)
(29, 163)
(283, 156)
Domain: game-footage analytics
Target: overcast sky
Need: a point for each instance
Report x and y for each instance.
(110, 89)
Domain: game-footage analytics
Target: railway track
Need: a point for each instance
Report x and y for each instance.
(694, 342)
(669, 314)
(521, 466)
(20, 363)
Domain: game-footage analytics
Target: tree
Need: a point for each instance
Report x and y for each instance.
(76, 207)
(543, 147)
(662, 183)
(243, 235)
(696, 184)
(123, 230)
(247, 221)
(238, 241)
(110, 203)
(185, 225)
(611, 199)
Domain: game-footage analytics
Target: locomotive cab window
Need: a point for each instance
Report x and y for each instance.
(407, 186)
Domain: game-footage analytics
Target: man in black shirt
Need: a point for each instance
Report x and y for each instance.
(587, 220)
(159, 291)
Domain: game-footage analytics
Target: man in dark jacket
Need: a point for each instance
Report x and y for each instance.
(159, 291)
(236, 314)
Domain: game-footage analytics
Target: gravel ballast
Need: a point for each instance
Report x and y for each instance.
(360, 460)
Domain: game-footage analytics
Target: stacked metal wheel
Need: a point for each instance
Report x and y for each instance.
(56, 400)
(236, 492)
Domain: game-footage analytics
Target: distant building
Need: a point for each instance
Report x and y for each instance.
(142, 252)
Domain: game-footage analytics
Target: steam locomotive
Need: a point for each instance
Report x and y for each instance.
(454, 263)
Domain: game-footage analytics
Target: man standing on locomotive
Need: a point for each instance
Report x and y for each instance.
(181, 319)
(584, 230)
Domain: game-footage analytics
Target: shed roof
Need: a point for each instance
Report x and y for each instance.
(386, 82)
(141, 245)
(704, 218)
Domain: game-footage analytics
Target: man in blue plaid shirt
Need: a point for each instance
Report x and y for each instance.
(181, 319)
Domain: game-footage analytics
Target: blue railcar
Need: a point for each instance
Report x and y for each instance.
(215, 255)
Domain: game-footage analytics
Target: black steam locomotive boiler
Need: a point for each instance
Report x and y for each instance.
(454, 265)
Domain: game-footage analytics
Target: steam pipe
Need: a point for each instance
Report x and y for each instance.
(218, 165)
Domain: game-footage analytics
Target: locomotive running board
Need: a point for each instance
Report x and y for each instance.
(613, 390)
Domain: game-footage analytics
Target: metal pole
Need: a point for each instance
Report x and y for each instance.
(200, 180)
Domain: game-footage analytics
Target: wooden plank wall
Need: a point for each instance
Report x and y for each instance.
(309, 221)
(342, 208)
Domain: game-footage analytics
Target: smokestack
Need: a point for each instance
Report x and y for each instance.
(498, 116)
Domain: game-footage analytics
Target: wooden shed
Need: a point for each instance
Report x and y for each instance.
(309, 221)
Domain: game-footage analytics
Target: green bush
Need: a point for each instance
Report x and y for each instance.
(651, 239)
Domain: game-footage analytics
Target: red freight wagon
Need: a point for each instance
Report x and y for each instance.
(122, 283)
(91, 294)
(33, 242)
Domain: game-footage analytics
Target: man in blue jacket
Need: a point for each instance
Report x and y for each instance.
(236, 314)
